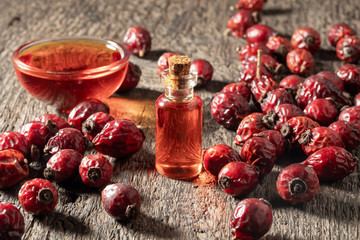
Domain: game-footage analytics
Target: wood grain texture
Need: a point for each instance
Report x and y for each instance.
(171, 209)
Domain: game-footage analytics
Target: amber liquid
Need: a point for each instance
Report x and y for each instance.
(80, 56)
(178, 137)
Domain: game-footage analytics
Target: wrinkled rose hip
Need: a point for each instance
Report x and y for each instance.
(349, 133)
(338, 31)
(251, 124)
(38, 133)
(322, 111)
(59, 121)
(238, 88)
(95, 170)
(240, 21)
(119, 138)
(15, 140)
(13, 168)
(259, 33)
(138, 41)
(348, 49)
(350, 75)
(95, 123)
(306, 38)
(12, 224)
(66, 138)
(204, 70)
(275, 138)
(38, 196)
(297, 183)
(299, 61)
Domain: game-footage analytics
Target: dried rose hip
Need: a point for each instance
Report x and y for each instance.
(95, 170)
(252, 5)
(228, 109)
(273, 66)
(322, 111)
(252, 219)
(13, 168)
(120, 138)
(357, 100)
(279, 47)
(259, 33)
(95, 123)
(274, 119)
(217, 156)
(306, 38)
(249, 72)
(251, 124)
(291, 82)
(204, 70)
(259, 152)
(333, 78)
(240, 21)
(138, 41)
(348, 49)
(38, 133)
(132, 78)
(299, 61)
(15, 140)
(274, 98)
(238, 88)
(297, 183)
(351, 114)
(296, 126)
(66, 138)
(250, 51)
(338, 31)
(238, 178)
(83, 110)
(38, 196)
(318, 138)
(275, 138)
(121, 201)
(319, 87)
(162, 62)
(261, 86)
(12, 224)
(63, 165)
(350, 75)
(332, 163)
(349, 133)
(59, 121)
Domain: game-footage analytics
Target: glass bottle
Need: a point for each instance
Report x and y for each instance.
(178, 130)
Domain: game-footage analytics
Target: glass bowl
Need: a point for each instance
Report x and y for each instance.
(64, 71)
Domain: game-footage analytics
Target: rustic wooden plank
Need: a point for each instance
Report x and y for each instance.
(171, 209)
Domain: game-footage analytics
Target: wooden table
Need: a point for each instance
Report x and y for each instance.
(171, 209)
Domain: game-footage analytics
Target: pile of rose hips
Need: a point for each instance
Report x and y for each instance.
(318, 115)
(89, 125)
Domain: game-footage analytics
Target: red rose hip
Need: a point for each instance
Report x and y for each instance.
(16, 141)
(121, 201)
(38, 133)
(238, 88)
(274, 119)
(238, 178)
(251, 124)
(349, 133)
(332, 163)
(63, 165)
(250, 51)
(299, 61)
(251, 219)
(333, 78)
(240, 21)
(95, 123)
(322, 111)
(319, 137)
(338, 31)
(259, 152)
(350, 75)
(306, 38)
(348, 49)
(297, 183)
(279, 47)
(84, 109)
(119, 138)
(228, 109)
(217, 156)
(351, 114)
(13, 168)
(66, 138)
(276, 97)
(38, 196)
(259, 33)
(204, 70)
(12, 224)
(275, 138)
(95, 170)
(291, 82)
(59, 121)
(138, 41)
(132, 78)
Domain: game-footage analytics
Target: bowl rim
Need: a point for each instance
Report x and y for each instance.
(23, 67)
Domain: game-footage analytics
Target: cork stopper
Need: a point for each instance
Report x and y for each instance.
(179, 65)
(179, 68)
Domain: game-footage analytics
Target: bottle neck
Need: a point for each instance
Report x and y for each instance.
(179, 95)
